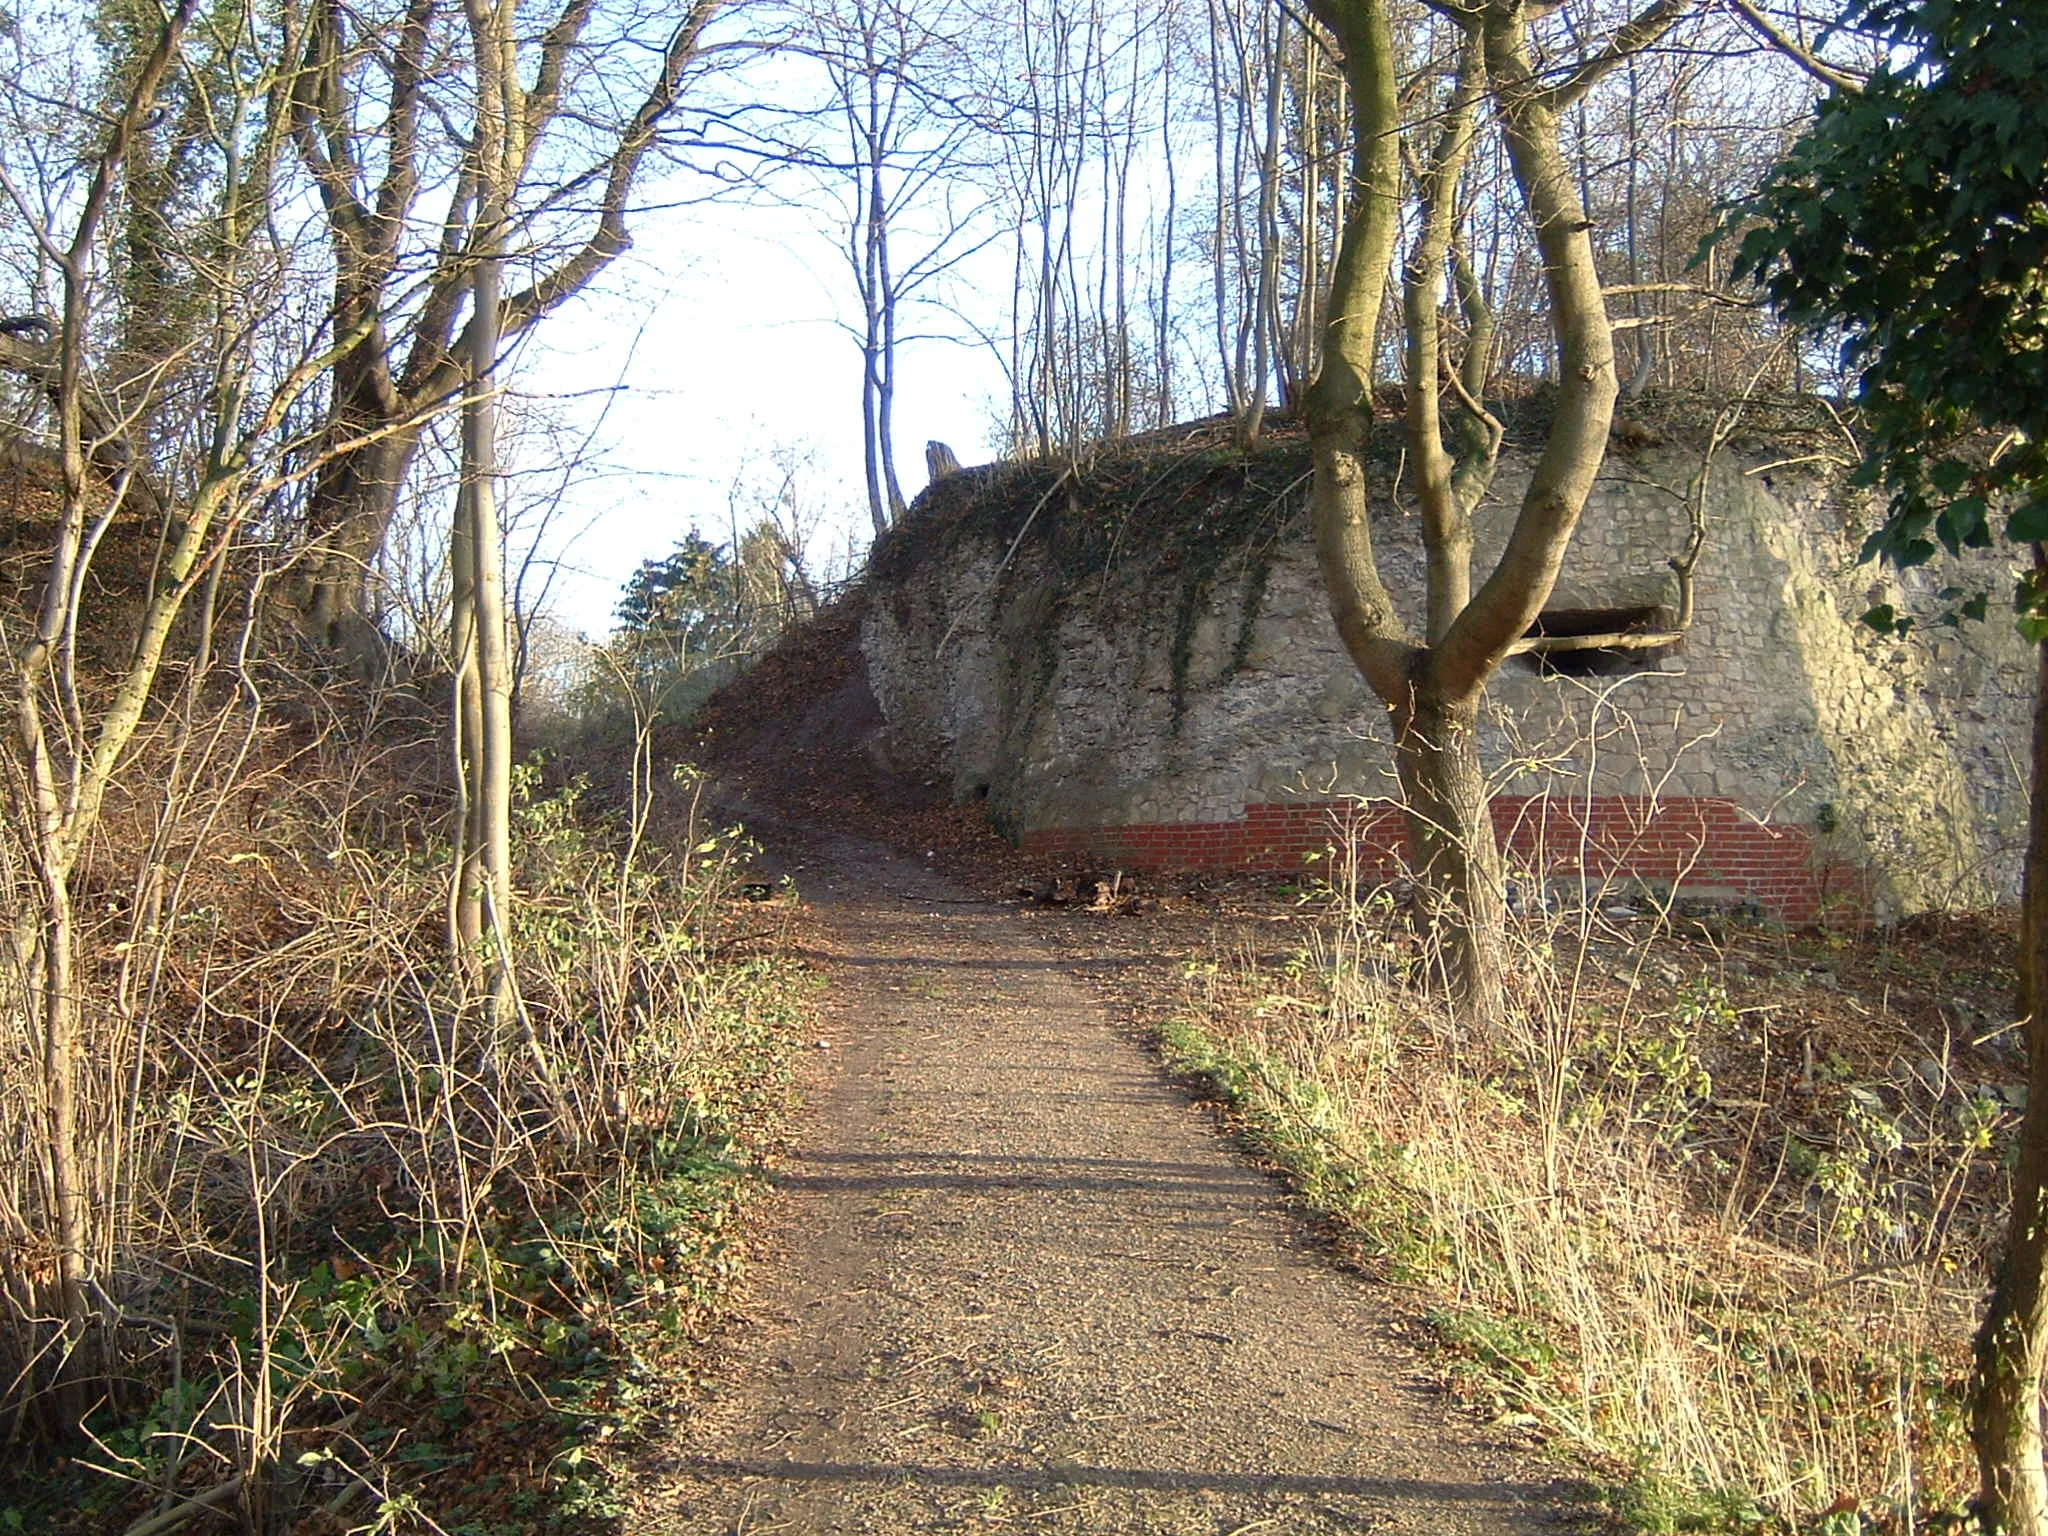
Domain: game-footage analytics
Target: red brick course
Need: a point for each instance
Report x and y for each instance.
(1700, 844)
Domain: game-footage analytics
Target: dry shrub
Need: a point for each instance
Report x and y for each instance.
(321, 1185)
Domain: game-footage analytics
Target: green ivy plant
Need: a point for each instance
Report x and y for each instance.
(1911, 219)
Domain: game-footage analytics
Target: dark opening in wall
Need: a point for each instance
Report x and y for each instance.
(1599, 660)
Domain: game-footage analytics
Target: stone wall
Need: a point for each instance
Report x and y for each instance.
(1150, 707)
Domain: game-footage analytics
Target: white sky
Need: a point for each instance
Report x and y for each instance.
(712, 343)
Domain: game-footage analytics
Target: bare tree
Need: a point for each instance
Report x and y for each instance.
(1432, 684)
(481, 639)
(70, 735)
(904, 178)
(397, 298)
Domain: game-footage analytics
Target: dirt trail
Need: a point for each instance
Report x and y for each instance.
(1028, 1286)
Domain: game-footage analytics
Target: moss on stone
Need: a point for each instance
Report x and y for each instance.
(1168, 517)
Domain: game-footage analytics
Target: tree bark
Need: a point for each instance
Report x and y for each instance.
(1454, 855)
(2012, 1343)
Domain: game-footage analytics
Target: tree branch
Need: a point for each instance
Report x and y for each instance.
(1632, 38)
(557, 45)
(401, 132)
(322, 146)
(1770, 32)
(611, 237)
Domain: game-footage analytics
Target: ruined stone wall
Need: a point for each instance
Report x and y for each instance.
(1138, 709)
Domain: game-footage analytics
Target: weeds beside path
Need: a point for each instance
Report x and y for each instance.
(1024, 1283)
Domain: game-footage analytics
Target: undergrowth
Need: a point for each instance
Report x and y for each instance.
(372, 1265)
(1725, 1254)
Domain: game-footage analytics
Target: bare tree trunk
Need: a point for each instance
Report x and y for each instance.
(1163, 333)
(1244, 278)
(2012, 1343)
(1220, 231)
(1453, 853)
(873, 216)
(903, 134)
(885, 397)
(466, 714)
(485, 726)
(871, 427)
(1265, 300)
(1098, 380)
(1308, 264)
(491, 830)
(488, 844)
(1121, 363)
(1645, 337)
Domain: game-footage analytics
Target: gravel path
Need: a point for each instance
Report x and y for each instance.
(1028, 1286)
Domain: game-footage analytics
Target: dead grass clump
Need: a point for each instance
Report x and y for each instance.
(1716, 1222)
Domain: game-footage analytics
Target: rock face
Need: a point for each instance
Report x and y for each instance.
(1138, 663)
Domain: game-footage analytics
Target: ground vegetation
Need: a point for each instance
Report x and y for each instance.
(325, 1123)
(1908, 221)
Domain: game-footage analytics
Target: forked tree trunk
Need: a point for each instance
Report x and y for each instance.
(1452, 849)
(1432, 689)
(2012, 1343)
(1451, 843)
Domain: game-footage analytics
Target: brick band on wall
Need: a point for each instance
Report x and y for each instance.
(1707, 845)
